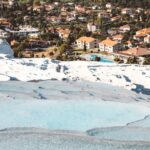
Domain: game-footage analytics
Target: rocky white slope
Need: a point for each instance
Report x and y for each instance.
(134, 77)
(120, 117)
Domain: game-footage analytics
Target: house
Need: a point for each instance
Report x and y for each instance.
(108, 5)
(82, 19)
(55, 19)
(127, 11)
(112, 31)
(118, 38)
(139, 37)
(139, 10)
(116, 18)
(110, 10)
(125, 28)
(64, 8)
(92, 27)
(14, 43)
(33, 35)
(37, 8)
(87, 42)
(70, 18)
(104, 14)
(144, 31)
(48, 7)
(5, 22)
(141, 34)
(136, 52)
(109, 45)
(128, 44)
(11, 2)
(63, 33)
(35, 44)
(147, 39)
(80, 9)
(3, 34)
(24, 31)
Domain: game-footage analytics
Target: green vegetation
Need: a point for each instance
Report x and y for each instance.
(132, 60)
(146, 61)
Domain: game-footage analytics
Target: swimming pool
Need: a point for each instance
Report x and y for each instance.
(103, 59)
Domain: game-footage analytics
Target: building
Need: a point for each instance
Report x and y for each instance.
(127, 11)
(141, 34)
(135, 52)
(3, 34)
(124, 28)
(87, 42)
(63, 33)
(116, 18)
(92, 27)
(55, 19)
(112, 31)
(24, 31)
(80, 9)
(109, 45)
(147, 39)
(128, 44)
(108, 5)
(144, 31)
(5, 22)
(118, 38)
(104, 14)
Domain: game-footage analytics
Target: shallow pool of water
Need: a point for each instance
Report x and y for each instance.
(68, 115)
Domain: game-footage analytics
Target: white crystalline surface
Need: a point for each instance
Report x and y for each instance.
(81, 102)
(68, 115)
(128, 76)
(69, 105)
(122, 133)
(39, 139)
(141, 123)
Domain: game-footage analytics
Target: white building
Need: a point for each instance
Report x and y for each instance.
(3, 34)
(63, 33)
(24, 31)
(125, 28)
(127, 11)
(147, 39)
(109, 45)
(92, 27)
(87, 42)
(108, 5)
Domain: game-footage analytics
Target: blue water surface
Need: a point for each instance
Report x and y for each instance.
(68, 115)
(103, 59)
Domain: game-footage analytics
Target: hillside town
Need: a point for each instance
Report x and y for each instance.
(74, 74)
(67, 30)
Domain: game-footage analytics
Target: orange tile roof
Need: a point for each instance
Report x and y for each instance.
(125, 26)
(136, 51)
(109, 42)
(86, 39)
(129, 42)
(64, 31)
(118, 36)
(140, 35)
(144, 31)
